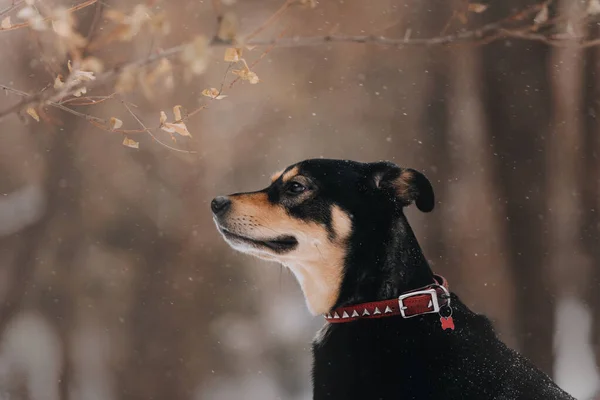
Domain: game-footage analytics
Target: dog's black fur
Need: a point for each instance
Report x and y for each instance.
(390, 358)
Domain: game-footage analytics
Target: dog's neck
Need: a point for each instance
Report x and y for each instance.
(394, 266)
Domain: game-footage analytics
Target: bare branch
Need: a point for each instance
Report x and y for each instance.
(13, 6)
(509, 27)
(152, 135)
(78, 7)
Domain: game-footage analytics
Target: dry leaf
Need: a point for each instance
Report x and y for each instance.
(233, 54)
(115, 123)
(308, 3)
(174, 127)
(593, 7)
(462, 17)
(569, 30)
(228, 27)
(129, 25)
(163, 71)
(177, 113)
(63, 23)
(80, 91)
(160, 24)
(126, 80)
(131, 143)
(92, 64)
(213, 93)
(58, 82)
(477, 8)
(246, 75)
(5, 24)
(81, 76)
(542, 16)
(31, 111)
(177, 127)
(195, 55)
(33, 18)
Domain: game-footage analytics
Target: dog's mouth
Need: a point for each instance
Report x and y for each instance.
(279, 244)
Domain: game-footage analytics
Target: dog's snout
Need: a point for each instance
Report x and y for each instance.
(220, 204)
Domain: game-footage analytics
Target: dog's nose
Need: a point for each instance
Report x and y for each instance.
(220, 204)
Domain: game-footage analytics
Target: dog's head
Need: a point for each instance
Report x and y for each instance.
(315, 214)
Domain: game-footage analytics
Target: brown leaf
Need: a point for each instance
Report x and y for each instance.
(213, 93)
(5, 24)
(80, 91)
(58, 82)
(308, 3)
(126, 80)
(176, 127)
(177, 113)
(542, 16)
(129, 25)
(477, 8)
(233, 54)
(195, 55)
(228, 27)
(462, 17)
(593, 7)
(246, 75)
(160, 24)
(131, 143)
(63, 23)
(115, 123)
(31, 111)
(33, 18)
(92, 64)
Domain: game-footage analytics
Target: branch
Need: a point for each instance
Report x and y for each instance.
(149, 131)
(486, 34)
(26, 24)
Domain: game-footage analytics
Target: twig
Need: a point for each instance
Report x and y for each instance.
(278, 14)
(264, 53)
(88, 100)
(14, 5)
(152, 135)
(95, 19)
(26, 24)
(487, 33)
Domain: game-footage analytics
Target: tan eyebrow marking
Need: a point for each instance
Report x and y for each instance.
(290, 174)
(276, 175)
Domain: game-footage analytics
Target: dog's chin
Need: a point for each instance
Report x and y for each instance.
(259, 246)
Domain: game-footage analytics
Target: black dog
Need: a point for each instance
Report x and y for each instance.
(392, 331)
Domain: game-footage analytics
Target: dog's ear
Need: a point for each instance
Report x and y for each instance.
(407, 184)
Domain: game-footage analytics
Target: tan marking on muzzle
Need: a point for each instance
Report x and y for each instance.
(317, 262)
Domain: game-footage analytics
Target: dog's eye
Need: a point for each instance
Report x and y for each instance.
(295, 188)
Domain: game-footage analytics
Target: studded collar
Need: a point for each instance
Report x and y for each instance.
(430, 299)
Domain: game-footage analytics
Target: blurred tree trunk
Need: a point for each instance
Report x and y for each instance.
(590, 185)
(473, 216)
(568, 262)
(517, 104)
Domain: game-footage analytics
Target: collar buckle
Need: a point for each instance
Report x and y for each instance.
(435, 305)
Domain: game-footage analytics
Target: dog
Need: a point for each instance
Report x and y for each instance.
(393, 330)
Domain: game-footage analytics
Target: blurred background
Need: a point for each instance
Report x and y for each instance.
(114, 283)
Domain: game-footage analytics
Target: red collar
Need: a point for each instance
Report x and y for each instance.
(434, 298)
